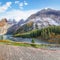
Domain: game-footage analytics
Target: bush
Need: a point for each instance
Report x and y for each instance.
(33, 41)
(34, 45)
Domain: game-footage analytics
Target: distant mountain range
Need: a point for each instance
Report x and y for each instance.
(41, 19)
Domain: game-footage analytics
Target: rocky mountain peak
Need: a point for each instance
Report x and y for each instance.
(3, 22)
(47, 9)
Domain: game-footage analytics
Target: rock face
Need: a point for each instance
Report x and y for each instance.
(4, 26)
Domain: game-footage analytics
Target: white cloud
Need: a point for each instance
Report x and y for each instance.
(25, 3)
(17, 14)
(16, 2)
(5, 6)
(22, 4)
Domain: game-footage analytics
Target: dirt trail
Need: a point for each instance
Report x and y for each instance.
(8, 52)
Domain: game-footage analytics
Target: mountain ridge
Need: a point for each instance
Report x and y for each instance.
(41, 19)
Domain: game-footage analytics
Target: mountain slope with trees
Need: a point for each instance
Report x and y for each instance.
(41, 19)
(50, 34)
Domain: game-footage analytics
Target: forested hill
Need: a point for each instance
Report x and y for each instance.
(51, 33)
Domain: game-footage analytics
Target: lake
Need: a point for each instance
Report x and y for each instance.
(19, 39)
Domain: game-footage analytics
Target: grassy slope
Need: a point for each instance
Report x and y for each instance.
(9, 42)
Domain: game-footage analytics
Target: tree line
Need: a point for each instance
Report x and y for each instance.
(44, 33)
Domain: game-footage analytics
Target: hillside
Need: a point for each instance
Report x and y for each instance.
(42, 19)
(50, 34)
(25, 28)
(15, 27)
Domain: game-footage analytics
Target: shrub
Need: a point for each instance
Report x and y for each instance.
(33, 41)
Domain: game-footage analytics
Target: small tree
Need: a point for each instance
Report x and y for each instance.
(34, 45)
(33, 41)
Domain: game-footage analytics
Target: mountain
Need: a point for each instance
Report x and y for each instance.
(15, 27)
(3, 22)
(5, 25)
(21, 22)
(41, 19)
(25, 27)
(46, 17)
(12, 21)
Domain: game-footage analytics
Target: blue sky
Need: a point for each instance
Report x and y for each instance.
(18, 9)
